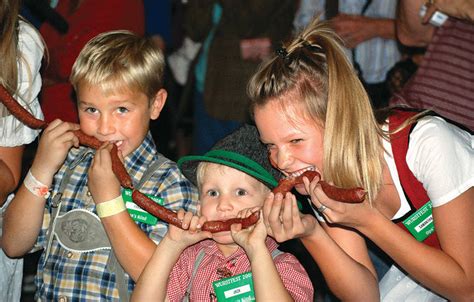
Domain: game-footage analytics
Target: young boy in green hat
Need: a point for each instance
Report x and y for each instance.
(233, 180)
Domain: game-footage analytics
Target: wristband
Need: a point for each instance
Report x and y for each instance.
(35, 186)
(110, 207)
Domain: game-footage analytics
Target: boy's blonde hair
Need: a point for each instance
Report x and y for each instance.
(314, 71)
(120, 60)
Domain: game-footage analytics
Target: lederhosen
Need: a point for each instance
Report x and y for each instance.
(415, 193)
(81, 231)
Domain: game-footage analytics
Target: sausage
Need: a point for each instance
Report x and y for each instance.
(87, 140)
(19, 112)
(119, 169)
(224, 225)
(155, 209)
(171, 217)
(350, 195)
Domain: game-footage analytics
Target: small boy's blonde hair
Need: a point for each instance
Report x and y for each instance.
(120, 60)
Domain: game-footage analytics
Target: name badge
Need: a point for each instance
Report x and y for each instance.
(137, 213)
(420, 224)
(238, 288)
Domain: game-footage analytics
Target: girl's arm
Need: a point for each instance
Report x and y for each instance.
(450, 271)
(10, 169)
(334, 249)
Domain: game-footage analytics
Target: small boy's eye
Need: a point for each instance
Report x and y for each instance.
(297, 140)
(241, 192)
(212, 193)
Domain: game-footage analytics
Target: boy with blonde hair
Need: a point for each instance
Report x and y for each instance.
(79, 217)
(233, 179)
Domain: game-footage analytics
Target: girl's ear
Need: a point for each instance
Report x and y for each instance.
(157, 104)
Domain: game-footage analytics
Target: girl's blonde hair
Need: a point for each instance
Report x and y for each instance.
(314, 71)
(120, 60)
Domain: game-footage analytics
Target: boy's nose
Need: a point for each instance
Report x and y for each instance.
(105, 126)
(224, 204)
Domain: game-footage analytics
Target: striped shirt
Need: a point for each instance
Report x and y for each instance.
(292, 273)
(84, 276)
(375, 56)
(444, 82)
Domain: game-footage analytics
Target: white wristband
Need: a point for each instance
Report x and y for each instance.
(35, 186)
(111, 207)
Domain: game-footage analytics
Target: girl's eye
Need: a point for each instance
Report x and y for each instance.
(122, 110)
(269, 146)
(241, 192)
(212, 193)
(297, 140)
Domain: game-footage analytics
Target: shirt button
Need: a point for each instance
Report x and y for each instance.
(62, 299)
(69, 254)
(89, 193)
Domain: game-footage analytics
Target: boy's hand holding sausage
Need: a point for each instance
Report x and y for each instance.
(53, 147)
(252, 238)
(189, 234)
(102, 182)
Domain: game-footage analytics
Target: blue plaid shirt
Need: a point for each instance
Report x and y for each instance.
(85, 276)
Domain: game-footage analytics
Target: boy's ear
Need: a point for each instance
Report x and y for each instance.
(157, 104)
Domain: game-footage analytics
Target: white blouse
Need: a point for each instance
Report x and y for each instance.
(12, 131)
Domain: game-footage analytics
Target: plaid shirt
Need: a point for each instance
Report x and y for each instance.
(84, 276)
(294, 277)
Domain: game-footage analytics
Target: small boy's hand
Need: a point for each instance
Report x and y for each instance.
(251, 238)
(55, 142)
(191, 230)
(102, 183)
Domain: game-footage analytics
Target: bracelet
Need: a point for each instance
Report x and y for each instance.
(35, 186)
(110, 207)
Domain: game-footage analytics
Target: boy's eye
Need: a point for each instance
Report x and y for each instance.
(297, 140)
(212, 193)
(122, 110)
(90, 110)
(241, 192)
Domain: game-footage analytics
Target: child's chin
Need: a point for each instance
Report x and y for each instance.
(223, 237)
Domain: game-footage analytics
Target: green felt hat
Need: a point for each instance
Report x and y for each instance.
(241, 150)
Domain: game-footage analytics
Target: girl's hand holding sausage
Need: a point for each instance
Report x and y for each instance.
(53, 147)
(284, 220)
(352, 215)
(251, 238)
(190, 233)
(102, 182)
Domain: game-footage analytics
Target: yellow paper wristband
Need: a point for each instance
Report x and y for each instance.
(110, 207)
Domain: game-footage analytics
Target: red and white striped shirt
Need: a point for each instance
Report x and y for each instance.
(444, 82)
(292, 273)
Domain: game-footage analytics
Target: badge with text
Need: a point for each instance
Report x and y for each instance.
(137, 213)
(238, 288)
(420, 224)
